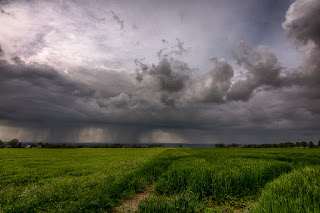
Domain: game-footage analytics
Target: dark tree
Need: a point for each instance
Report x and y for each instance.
(289, 144)
(319, 144)
(304, 144)
(139, 146)
(234, 145)
(298, 144)
(14, 143)
(116, 145)
(220, 145)
(311, 144)
(2, 145)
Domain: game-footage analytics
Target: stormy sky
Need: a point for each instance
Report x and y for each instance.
(218, 71)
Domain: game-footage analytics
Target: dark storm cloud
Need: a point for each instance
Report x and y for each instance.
(172, 75)
(33, 92)
(38, 98)
(170, 78)
(167, 99)
(37, 92)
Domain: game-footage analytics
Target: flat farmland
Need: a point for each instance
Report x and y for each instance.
(64, 180)
(178, 180)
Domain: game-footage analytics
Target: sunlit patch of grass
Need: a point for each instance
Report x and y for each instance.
(298, 191)
(223, 180)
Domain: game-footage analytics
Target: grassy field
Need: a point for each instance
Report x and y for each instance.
(183, 180)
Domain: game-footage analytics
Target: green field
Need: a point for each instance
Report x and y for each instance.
(183, 180)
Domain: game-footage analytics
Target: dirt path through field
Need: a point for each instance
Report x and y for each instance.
(132, 204)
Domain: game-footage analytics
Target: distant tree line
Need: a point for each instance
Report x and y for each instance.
(14, 143)
(302, 144)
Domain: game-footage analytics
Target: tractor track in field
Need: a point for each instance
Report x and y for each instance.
(133, 203)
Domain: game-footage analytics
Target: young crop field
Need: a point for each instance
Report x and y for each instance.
(178, 180)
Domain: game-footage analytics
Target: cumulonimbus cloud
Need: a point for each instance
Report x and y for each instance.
(303, 27)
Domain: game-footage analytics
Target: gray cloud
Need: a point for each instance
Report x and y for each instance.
(37, 92)
(179, 48)
(141, 70)
(172, 75)
(303, 27)
(176, 49)
(1, 51)
(263, 69)
(217, 82)
(302, 22)
(118, 20)
(4, 12)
